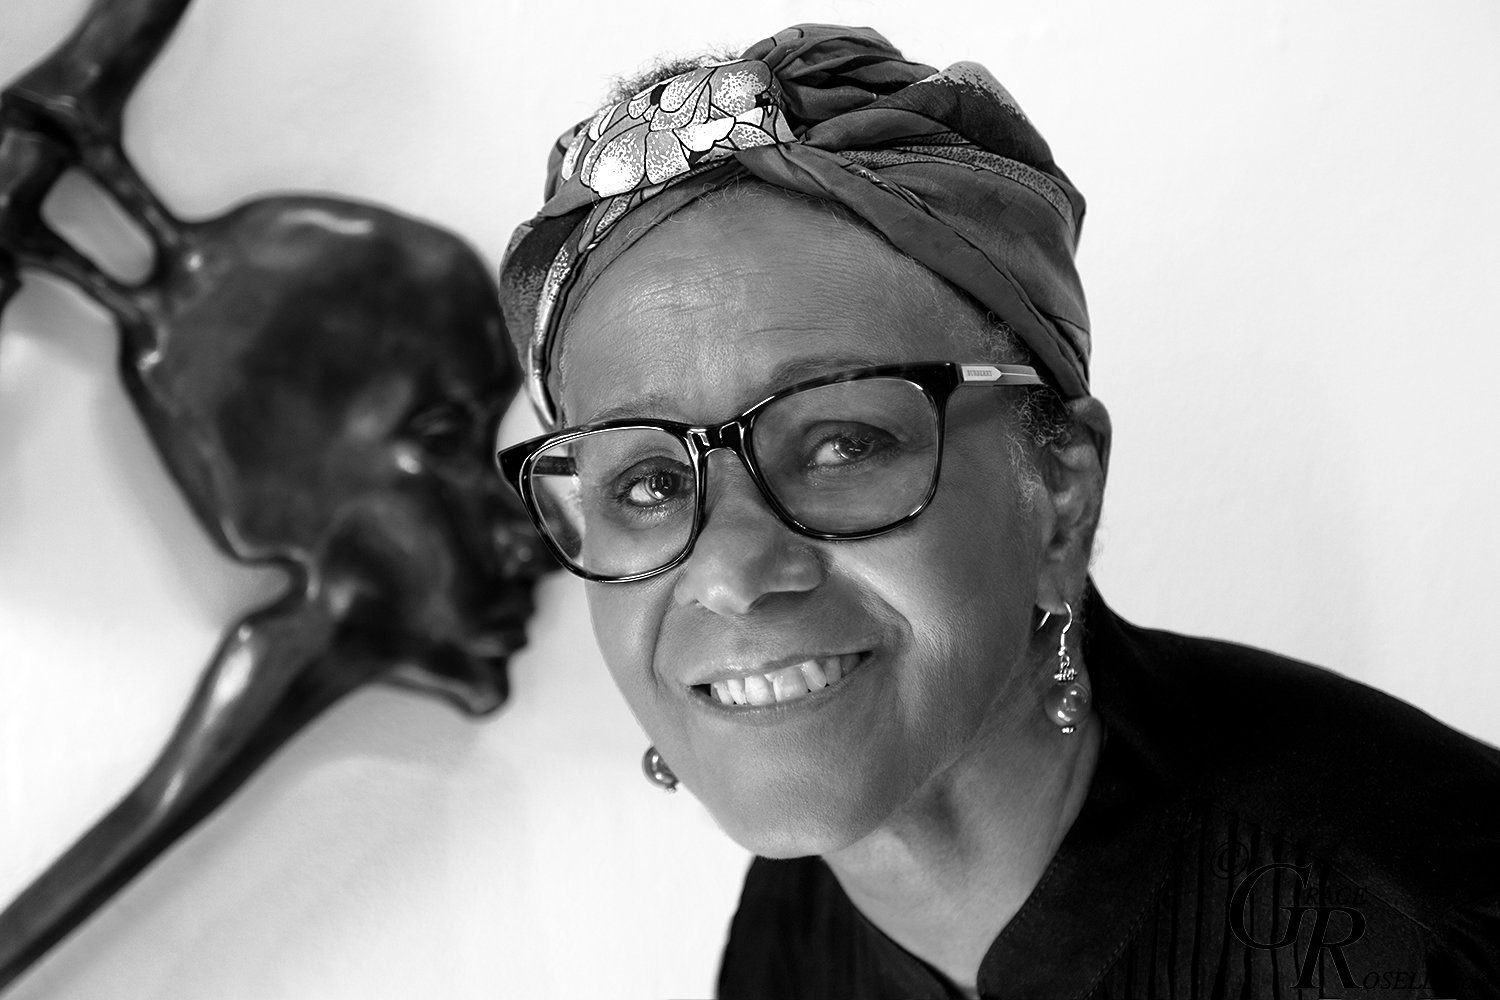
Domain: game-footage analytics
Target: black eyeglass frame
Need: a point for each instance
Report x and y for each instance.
(936, 380)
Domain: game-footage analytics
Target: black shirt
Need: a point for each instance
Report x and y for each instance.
(1255, 828)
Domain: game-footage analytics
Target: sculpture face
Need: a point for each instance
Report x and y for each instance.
(347, 424)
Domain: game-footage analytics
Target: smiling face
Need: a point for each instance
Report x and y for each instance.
(930, 623)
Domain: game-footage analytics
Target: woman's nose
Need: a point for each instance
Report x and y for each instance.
(744, 553)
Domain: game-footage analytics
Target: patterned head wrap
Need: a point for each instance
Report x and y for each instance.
(943, 164)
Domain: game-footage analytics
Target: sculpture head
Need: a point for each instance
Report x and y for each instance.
(332, 405)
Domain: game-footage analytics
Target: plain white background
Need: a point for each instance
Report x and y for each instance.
(1290, 255)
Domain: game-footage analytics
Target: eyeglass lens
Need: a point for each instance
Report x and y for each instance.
(843, 459)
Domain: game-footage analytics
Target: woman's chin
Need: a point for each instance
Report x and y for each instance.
(798, 841)
(792, 823)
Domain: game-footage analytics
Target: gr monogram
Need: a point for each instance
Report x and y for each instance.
(1319, 942)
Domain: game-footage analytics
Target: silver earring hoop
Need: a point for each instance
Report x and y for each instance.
(657, 771)
(1067, 701)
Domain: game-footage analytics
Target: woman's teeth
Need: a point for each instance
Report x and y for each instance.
(785, 684)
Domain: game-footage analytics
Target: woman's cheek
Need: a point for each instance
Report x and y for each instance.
(626, 622)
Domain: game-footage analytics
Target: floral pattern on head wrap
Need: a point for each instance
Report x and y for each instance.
(632, 150)
(670, 128)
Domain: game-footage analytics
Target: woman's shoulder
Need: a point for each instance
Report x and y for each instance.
(1392, 797)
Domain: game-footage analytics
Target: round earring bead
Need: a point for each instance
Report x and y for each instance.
(1067, 704)
(656, 770)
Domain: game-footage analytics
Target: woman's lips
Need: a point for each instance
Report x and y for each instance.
(783, 684)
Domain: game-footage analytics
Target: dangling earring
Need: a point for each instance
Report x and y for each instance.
(1067, 702)
(657, 771)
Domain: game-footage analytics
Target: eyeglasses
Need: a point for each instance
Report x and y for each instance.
(844, 456)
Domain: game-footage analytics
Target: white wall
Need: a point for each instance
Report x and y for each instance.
(1290, 254)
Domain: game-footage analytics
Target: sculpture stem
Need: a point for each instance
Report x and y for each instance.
(270, 677)
(88, 78)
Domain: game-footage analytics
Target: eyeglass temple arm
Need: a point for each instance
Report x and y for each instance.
(554, 465)
(1000, 374)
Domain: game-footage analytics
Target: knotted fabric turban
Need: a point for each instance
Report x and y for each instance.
(943, 164)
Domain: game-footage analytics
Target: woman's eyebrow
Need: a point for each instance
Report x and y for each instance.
(794, 370)
(654, 402)
(785, 374)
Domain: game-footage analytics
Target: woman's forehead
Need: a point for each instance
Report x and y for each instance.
(719, 308)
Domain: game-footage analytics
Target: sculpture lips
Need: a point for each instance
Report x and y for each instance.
(497, 645)
(506, 624)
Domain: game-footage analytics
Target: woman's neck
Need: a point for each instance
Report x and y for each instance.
(946, 874)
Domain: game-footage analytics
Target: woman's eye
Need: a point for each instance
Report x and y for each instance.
(849, 446)
(654, 487)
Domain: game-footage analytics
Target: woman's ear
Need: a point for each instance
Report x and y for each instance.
(1073, 472)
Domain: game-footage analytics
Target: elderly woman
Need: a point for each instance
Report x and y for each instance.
(808, 326)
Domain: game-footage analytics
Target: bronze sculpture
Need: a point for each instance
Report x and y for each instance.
(323, 380)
